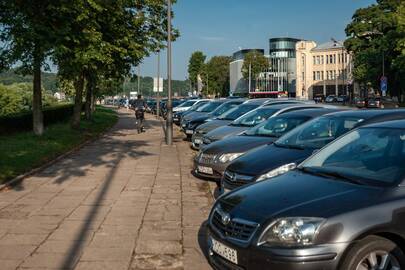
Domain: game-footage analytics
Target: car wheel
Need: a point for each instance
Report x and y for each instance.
(372, 253)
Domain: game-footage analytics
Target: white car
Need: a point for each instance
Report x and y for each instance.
(187, 105)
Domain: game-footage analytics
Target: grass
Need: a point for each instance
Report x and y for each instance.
(22, 152)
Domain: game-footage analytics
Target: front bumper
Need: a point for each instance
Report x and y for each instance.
(252, 257)
(196, 140)
(217, 170)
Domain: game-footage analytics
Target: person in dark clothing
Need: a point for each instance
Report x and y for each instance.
(140, 106)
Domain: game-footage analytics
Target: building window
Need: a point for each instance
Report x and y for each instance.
(314, 76)
(330, 59)
(318, 75)
(322, 59)
(318, 61)
(303, 76)
(322, 76)
(334, 59)
(314, 60)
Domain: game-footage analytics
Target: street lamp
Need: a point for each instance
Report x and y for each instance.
(169, 119)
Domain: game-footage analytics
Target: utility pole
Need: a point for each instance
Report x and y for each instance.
(139, 80)
(250, 77)
(158, 86)
(169, 119)
(208, 88)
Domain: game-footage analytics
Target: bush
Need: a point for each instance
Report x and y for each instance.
(23, 121)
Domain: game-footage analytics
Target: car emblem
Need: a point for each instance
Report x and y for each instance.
(226, 219)
(233, 177)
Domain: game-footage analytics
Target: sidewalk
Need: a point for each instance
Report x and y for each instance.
(126, 201)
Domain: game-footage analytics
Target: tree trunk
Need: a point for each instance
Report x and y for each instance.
(89, 97)
(77, 110)
(37, 116)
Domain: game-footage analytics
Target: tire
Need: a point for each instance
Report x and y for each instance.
(361, 255)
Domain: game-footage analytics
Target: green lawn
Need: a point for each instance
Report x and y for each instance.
(24, 151)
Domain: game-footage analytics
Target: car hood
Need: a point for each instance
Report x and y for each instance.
(267, 158)
(193, 115)
(200, 118)
(207, 127)
(223, 132)
(296, 194)
(237, 144)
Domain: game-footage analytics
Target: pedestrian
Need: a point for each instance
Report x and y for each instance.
(140, 107)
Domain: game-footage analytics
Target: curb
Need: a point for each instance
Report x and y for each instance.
(17, 180)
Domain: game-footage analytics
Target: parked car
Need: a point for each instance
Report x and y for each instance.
(213, 159)
(319, 98)
(360, 102)
(342, 99)
(342, 209)
(228, 117)
(196, 120)
(331, 99)
(294, 147)
(224, 119)
(180, 111)
(203, 110)
(382, 103)
(252, 119)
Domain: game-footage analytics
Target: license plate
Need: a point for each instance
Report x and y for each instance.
(189, 131)
(224, 251)
(183, 125)
(198, 141)
(206, 170)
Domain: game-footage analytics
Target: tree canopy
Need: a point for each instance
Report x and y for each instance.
(376, 37)
(258, 63)
(195, 67)
(216, 76)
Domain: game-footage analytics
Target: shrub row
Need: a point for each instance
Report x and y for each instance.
(23, 121)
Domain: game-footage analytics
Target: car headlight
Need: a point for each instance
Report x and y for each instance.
(295, 231)
(280, 170)
(229, 157)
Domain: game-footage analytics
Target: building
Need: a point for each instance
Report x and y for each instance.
(323, 69)
(281, 77)
(238, 85)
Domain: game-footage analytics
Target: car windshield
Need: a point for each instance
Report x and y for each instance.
(318, 132)
(277, 126)
(188, 103)
(199, 105)
(237, 112)
(374, 156)
(209, 107)
(224, 108)
(255, 117)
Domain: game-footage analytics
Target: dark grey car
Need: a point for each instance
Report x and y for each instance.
(232, 115)
(226, 150)
(252, 119)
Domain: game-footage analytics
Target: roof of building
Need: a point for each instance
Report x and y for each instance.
(329, 46)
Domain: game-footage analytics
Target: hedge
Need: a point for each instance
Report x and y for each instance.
(23, 121)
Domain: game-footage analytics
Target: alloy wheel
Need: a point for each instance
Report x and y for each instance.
(379, 260)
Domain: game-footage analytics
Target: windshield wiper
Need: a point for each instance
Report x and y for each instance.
(289, 146)
(331, 174)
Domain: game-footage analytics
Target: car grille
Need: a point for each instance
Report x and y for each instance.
(207, 158)
(237, 229)
(236, 180)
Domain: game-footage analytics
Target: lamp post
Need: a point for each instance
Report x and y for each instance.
(169, 119)
(158, 86)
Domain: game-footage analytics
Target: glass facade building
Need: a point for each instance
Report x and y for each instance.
(281, 76)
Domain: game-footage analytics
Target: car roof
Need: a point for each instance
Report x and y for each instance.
(258, 101)
(310, 112)
(399, 124)
(372, 116)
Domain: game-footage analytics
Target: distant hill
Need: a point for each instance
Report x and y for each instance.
(49, 80)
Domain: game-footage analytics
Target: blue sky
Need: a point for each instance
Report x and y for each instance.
(221, 27)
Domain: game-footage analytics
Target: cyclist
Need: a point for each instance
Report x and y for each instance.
(139, 106)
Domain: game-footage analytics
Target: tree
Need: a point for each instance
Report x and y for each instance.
(375, 38)
(109, 38)
(195, 67)
(256, 62)
(216, 76)
(29, 30)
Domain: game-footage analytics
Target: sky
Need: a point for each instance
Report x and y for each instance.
(221, 27)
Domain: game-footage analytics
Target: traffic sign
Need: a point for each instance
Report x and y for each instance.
(155, 85)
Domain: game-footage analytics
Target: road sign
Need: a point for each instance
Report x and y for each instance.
(155, 85)
(384, 85)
